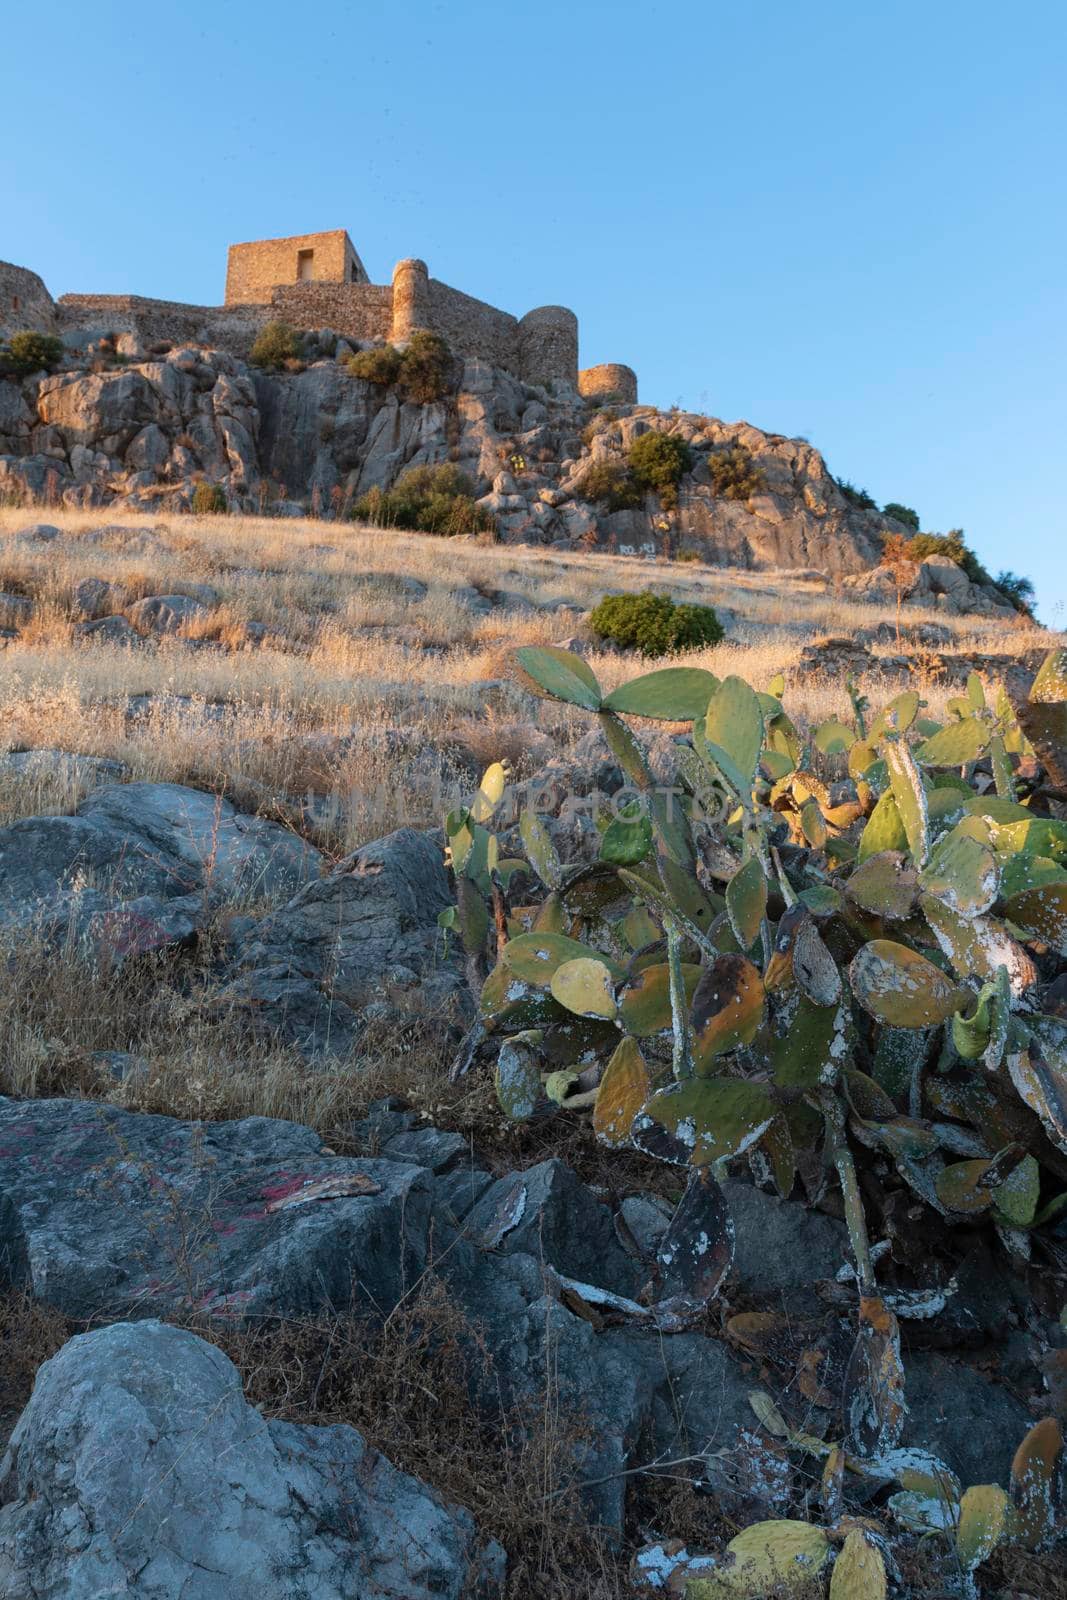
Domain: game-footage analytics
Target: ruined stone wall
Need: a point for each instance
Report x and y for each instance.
(610, 378)
(24, 301)
(356, 310)
(539, 348)
(254, 270)
(473, 328)
(164, 321)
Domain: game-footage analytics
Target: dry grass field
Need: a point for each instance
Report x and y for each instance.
(343, 681)
(342, 677)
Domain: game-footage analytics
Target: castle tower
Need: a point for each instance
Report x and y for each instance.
(411, 298)
(610, 378)
(548, 346)
(256, 269)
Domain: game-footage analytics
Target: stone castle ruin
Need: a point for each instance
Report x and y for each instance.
(317, 280)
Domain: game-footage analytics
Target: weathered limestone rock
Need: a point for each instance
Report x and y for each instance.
(164, 613)
(138, 1468)
(367, 928)
(141, 845)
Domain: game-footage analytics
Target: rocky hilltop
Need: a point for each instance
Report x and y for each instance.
(117, 422)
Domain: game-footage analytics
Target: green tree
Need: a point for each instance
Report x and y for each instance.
(379, 365)
(275, 344)
(903, 514)
(28, 352)
(658, 461)
(654, 624)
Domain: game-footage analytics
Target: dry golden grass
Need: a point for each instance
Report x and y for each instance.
(295, 725)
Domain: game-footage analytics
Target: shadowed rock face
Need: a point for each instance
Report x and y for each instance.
(138, 1468)
(105, 1212)
(142, 866)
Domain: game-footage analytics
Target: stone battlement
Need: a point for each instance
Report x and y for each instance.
(317, 280)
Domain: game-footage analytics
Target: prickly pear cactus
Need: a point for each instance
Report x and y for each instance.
(821, 952)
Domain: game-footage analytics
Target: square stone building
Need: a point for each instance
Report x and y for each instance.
(254, 270)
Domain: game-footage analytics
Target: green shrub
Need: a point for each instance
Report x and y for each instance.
(903, 514)
(856, 497)
(426, 368)
(380, 365)
(28, 352)
(734, 474)
(426, 500)
(952, 545)
(209, 499)
(658, 462)
(612, 483)
(654, 624)
(275, 344)
(1019, 590)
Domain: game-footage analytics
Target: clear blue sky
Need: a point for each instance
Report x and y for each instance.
(845, 221)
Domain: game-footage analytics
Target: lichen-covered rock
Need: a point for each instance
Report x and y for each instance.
(138, 1468)
(111, 1212)
(367, 927)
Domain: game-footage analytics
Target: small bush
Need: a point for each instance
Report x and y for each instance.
(426, 500)
(209, 499)
(734, 474)
(903, 514)
(612, 483)
(29, 352)
(953, 546)
(654, 624)
(856, 497)
(276, 344)
(426, 369)
(658, 462)
(380, 365)
(1017, 589)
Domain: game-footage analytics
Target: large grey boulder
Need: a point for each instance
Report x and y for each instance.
(165, 613)
(366, 930)
(218, 849)
(149, 842)
(139, 1469)
(105, 1212)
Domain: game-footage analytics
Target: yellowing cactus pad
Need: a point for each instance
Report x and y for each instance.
(900, 987)
(782, 1555)
(984, 1513)
(859, 1571)
(585, 987)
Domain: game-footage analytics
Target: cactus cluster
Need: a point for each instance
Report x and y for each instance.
(819, 978)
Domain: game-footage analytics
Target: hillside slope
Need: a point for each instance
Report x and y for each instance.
(123, 424)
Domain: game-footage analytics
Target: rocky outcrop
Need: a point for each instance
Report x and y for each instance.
(935, 582)
(144, 431)
(138, 1468)
(141, 864)
(105, 1212)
